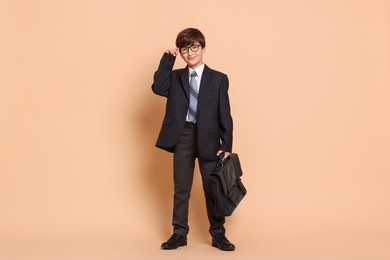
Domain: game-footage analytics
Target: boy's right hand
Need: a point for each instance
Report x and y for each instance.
(173, 52)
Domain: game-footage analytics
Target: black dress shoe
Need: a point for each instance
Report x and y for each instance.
(174, 242)
(222, 243)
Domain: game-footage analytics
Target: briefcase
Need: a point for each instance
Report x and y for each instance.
(226, 184)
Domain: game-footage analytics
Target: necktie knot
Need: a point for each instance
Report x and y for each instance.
(193, 74)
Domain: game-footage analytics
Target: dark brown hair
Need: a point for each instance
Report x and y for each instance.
(189, 36)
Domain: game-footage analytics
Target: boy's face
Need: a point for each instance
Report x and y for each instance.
(193, 55)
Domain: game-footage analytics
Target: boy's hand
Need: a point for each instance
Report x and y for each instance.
(173, 52)
(227, 154)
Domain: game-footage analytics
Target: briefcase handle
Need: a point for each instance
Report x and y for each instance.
(220, 159)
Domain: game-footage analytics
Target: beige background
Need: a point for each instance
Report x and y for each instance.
(310, 95)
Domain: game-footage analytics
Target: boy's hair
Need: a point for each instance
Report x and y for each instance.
(189, 36)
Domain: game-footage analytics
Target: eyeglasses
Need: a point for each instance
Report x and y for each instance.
(193, 48)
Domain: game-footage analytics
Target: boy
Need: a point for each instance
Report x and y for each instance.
(197, 124)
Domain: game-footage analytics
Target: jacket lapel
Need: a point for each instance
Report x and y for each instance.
(204, 85)
(205, 82)
(184, 77)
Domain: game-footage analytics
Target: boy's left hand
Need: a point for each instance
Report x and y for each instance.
(227, 154)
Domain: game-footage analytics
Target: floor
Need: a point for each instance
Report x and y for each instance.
(148, 249)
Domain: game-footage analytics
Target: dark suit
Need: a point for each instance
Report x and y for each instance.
(214, 122)
(213, 131)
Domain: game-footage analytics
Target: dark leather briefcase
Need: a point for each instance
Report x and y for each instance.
(226, 183)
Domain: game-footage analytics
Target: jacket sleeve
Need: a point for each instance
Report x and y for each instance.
(225, 118)
(162, 77)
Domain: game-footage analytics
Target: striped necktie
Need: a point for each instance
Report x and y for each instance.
(193, 98)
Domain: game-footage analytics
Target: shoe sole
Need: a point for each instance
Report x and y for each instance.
(223, 249)
(171, 248)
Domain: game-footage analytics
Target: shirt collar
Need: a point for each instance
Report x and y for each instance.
(198, 70)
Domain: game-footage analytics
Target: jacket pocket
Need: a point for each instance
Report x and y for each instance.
(211, 93)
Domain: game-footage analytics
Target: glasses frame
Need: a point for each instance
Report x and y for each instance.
(186, 49)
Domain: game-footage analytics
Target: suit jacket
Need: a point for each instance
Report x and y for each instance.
(214, 122)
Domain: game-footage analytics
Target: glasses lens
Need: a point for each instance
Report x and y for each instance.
(184, 50)
(195, 47)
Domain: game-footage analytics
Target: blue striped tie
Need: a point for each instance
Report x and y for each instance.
(193, 98)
